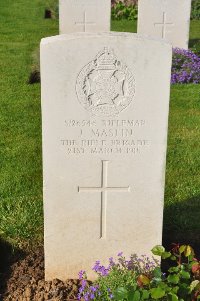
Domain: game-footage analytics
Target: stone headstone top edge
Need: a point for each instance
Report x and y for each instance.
(77, 35)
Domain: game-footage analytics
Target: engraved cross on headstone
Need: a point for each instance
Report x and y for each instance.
(164, 24)
(104, 189)
(84, 22)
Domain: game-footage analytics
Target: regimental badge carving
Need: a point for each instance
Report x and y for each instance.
(105, 86)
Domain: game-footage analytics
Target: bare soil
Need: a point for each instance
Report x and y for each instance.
(24, 281)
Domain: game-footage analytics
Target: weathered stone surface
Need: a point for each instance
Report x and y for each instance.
(167, 19)
(105, 100)
(84, 15)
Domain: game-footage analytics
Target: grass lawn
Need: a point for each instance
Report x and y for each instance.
(21, 217)
(22, 27)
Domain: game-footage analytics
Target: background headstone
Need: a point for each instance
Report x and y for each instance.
(84, 15)
(167, 19)
(105, 100)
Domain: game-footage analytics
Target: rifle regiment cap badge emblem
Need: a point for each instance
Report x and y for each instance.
(105, 86)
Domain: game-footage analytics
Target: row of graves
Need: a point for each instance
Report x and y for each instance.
(105, 105)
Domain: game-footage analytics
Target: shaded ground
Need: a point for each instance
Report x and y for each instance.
(181, 223)
(24, 281)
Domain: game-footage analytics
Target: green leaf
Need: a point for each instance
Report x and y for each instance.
(191, 257)
(157, 273)
(158, 250)
(175, 289)
(173, 278)
(194, 284)
(157, 293)
(145, 295)
(182, 249)
(130, 295)
(121, 293)
(166, 255)
(184, 290)
(185, 275)
(136, 296)
(173, 297)
(163, 285)
(188, 251)
(173, 270)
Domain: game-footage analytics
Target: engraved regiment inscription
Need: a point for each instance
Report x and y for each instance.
(104, 189)
(105, 86)
(105, 136)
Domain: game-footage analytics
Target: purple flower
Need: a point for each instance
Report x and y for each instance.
(92, 296)
(100, 269)
(103, 288)
(81, 274)
(185, 67)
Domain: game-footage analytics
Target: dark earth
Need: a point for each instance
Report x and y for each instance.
(22, 279)
(48, 14)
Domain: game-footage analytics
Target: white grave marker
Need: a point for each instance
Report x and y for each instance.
(167, 19)
(105, 100)
(84, 15)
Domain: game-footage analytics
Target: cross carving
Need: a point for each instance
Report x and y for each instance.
(84, 22)
(104, 189)
(164, 24)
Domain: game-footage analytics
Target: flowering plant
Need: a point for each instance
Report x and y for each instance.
(123, 10)
(185, 67)
(140, 279)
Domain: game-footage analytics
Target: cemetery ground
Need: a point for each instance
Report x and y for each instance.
(21, 213)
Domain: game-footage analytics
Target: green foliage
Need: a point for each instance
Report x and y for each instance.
(124, 282)
(195, 13)
(122, 11)
(121, 280)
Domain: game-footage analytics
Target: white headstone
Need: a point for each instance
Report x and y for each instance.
(84, 15)
(105, 100)
(167, 19)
